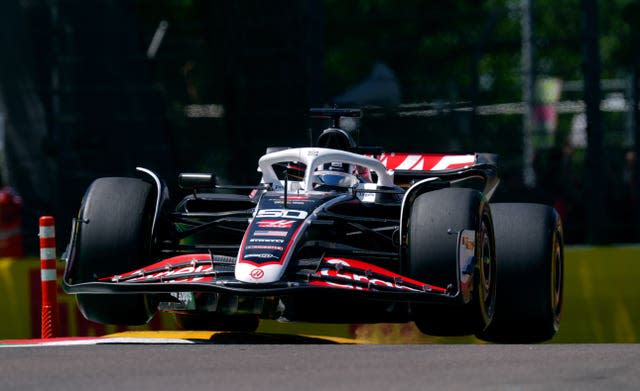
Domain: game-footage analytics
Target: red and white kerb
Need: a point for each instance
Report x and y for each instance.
(48, 277)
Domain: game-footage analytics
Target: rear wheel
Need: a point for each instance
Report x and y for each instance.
(435, 221)
(114, 237)
(529, 250)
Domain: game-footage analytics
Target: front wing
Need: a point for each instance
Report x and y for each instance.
(207, 273)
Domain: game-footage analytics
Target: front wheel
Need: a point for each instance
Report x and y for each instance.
(529, 248)
(437, 218)
(114, 237)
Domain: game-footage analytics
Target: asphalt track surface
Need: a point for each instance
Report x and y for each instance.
(310, 366)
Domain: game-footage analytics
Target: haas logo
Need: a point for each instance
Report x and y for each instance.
(275, 223)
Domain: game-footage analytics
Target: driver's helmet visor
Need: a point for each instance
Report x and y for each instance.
(334, 179)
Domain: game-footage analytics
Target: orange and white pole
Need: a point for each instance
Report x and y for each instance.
(48, 277)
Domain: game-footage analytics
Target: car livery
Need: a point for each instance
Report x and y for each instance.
(332, 233)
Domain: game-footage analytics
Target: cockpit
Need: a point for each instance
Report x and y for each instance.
(325, 180)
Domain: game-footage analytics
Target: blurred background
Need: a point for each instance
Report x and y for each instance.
(96, 88)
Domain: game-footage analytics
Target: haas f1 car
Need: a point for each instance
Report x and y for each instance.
(332, 233)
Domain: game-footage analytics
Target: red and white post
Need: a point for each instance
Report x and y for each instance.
(48, 277)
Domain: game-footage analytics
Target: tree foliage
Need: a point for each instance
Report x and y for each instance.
(433, 46)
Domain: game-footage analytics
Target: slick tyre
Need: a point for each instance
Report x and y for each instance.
(114, 237)
(529, 251)
(435, 220)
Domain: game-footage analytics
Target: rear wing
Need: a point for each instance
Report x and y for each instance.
(399, 162)
(409, 168)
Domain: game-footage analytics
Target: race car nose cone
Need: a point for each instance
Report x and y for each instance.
(258, 274)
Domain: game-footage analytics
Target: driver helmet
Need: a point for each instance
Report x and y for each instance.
(338, 167)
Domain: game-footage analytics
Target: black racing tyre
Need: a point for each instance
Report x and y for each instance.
(529, 250)
(114, 237)
(435, 220)
(217, 322)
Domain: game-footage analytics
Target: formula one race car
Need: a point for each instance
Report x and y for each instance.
(332, 233)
